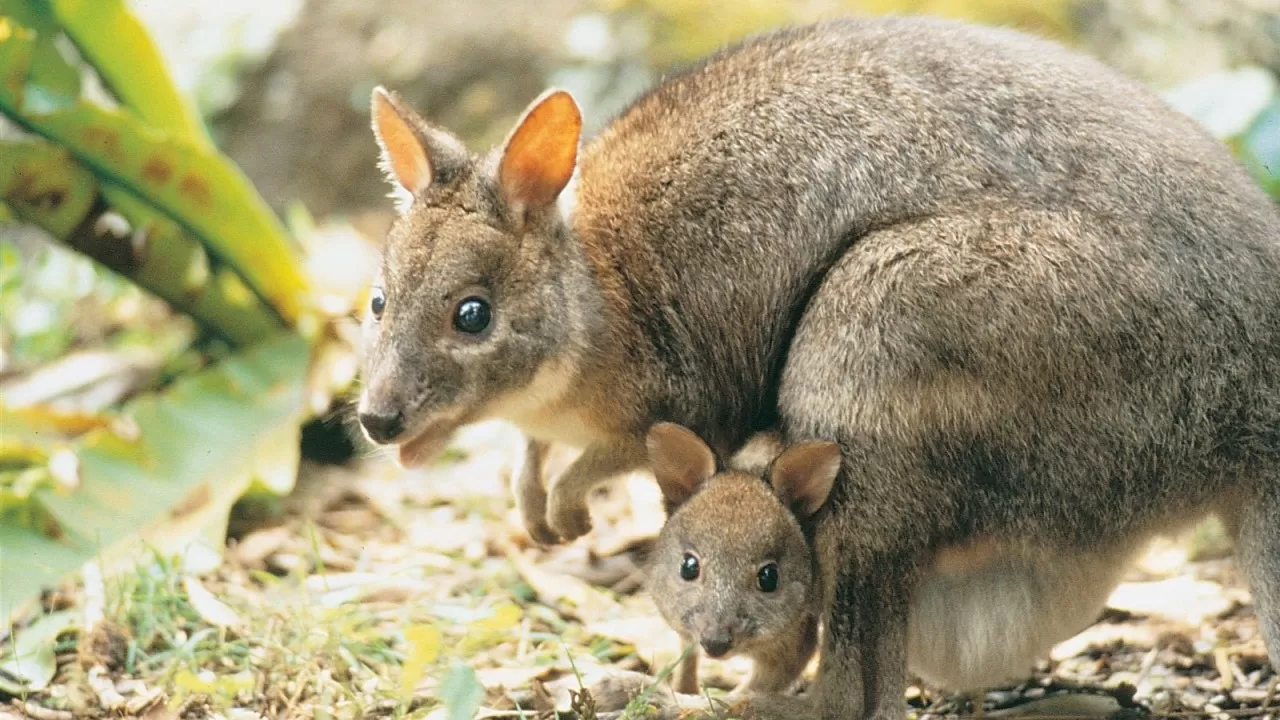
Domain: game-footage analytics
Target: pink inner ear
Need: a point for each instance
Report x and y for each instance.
(403, 152)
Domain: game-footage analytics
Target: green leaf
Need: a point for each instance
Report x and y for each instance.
(51, 73)
(193, 457)
(118, 47)
(30, 660)
(44, 186)
(186, 181)
(461, 692)
(1260, 148)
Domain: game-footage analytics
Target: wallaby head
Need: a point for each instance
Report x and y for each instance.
(731, 568)
(478, 309)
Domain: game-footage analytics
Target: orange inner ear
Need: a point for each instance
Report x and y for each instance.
(540, 156)
(406, 157)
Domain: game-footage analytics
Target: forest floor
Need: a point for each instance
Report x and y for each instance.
(376, 592)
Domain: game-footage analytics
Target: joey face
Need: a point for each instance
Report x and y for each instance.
(731, 568)
(473, 310)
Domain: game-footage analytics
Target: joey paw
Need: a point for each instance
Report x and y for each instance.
(568, 520)
(616, 690)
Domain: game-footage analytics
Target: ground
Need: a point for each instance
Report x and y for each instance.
(376, 592)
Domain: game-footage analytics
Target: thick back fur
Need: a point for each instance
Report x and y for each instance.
(729, 189)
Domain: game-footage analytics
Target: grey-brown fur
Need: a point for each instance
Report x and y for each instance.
(1037, 308)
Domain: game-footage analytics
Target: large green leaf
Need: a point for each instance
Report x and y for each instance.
(184, 180)
(43, 185)
(50, 70)
(194, 450)
(117, 46)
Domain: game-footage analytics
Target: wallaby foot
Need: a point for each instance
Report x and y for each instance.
(531, 494)
(1258, 549)
(977, 700)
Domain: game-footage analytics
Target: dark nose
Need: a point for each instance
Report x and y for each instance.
(717, 643)
(382, 428)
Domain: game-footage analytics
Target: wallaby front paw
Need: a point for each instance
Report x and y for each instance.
(568, 520)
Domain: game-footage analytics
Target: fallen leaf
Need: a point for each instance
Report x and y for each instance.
(1181, 599)
(505, 616)
(31, 661)
(205, 682)
(461, 692)
(1075, 705)
(424, 648)
(513, 677)
(552, 588)
(209, 608)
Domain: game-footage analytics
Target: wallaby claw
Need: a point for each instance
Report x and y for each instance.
(540, 532)
(570, 522)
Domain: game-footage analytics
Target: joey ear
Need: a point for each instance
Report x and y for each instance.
(414, 155)
(804, 473)
(680, 460)
(540, 155)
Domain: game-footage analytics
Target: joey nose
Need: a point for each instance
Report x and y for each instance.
(717, 643)
(382, 427)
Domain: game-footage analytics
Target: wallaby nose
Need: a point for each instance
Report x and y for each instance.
(717, 643)
(382, 428)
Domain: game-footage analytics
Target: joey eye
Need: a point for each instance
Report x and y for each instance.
(377, 303)
(472, 316)
(767, 578)
(689, 568)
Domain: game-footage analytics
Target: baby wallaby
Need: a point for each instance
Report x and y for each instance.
(732, 570)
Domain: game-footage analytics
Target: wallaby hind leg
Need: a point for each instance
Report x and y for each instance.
(1257, 524)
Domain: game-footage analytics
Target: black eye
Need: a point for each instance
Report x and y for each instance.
(377, 303)
(767, 578)
(689, 567)
(472, 316)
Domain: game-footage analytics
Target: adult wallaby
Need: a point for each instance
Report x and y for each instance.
(1037, 308)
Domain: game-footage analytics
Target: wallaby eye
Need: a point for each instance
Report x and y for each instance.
(377, 303)
(472, 316)
(689, 568)
(767, 578)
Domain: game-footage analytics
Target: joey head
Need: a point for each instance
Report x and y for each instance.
(732, 570)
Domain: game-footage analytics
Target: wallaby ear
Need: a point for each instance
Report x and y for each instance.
(803, 475)
(413, 154)
(540, 154)
(681, 461)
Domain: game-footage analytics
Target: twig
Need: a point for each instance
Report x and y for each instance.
(39, 712)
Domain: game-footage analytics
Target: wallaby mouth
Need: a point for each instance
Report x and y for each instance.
(429, 442)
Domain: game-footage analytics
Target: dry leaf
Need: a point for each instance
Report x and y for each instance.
(424, 648)
(209, 608)
(1181, 599)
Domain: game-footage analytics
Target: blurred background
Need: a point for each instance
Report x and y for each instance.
(191, 216)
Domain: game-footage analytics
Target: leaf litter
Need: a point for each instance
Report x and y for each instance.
(374, 592)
